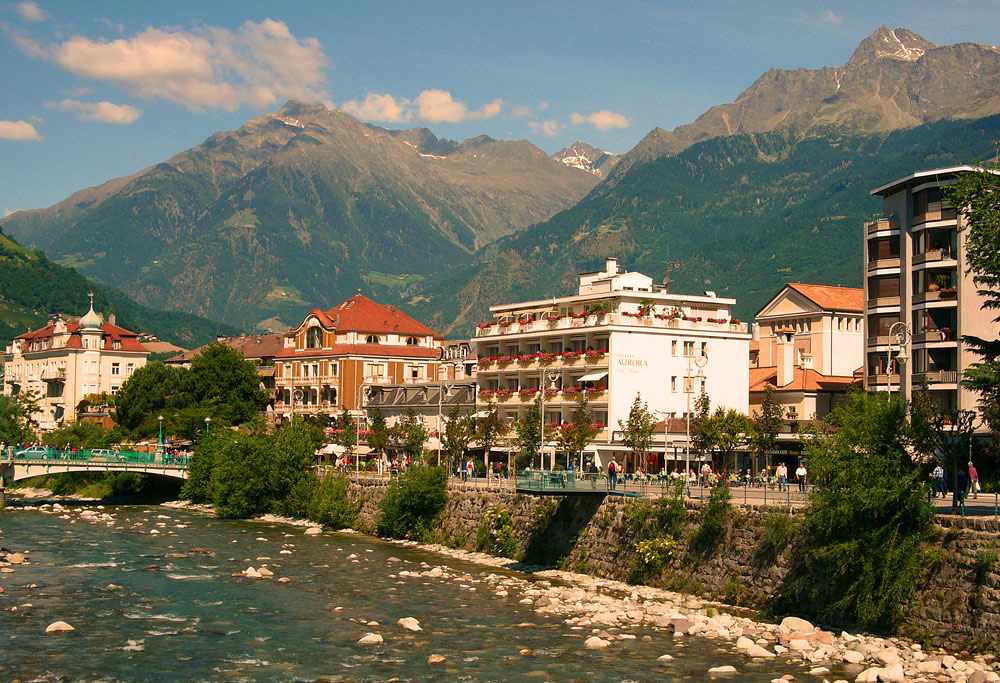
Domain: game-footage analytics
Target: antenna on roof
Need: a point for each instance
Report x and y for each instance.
(359, 291)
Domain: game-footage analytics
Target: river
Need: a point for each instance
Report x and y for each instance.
(183, 615)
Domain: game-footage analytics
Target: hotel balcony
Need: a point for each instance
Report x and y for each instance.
(878, 264)
(567, 359)
(569, 323)
(57, 375)
(328, 380)
(882, 224)
(306, 408)
(519, 397)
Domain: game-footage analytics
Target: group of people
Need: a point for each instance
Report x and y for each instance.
(967, 483)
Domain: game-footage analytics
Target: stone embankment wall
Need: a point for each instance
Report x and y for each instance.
(956, 606)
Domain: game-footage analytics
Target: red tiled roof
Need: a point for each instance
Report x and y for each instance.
(831, 298)
(253, 347)
(677, 425)
(363, 350)
(112, 333)
(361, 314)
(802, 380)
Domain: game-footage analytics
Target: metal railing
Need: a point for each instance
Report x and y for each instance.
(51, 455)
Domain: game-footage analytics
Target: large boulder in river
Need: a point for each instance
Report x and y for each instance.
(371, 639)
(410, 624)
(59, 627)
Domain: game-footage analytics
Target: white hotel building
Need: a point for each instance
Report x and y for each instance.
(611, 357)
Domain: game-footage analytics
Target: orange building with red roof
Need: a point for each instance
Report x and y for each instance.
(331, 355)
(69, 359)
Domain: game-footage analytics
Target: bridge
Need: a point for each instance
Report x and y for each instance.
(35, 462)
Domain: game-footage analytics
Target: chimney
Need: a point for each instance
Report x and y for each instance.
(111, 318)
(610, 266)
(807, 361)
(755, 332)
(786, 359)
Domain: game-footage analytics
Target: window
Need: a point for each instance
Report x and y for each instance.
(534, 348)
(704, 348)
(334, 369)
(371, 339)
(114, 389)
(411, 341)
(375, 370)
(556, 347)
(116, 369)
(673, 384)
(116, 345)
(673, 347)
(414, 371)
(314, 338)
(129, 369)
(689, 348)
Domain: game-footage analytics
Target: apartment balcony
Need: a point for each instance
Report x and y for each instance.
(658, 321)
(883, 379)
(880, 340)
(939, 295)
(936, 211)
(932, 256)
(936, 377)
(56, 375)
(930, 336)
(879, 264)
(882, 225)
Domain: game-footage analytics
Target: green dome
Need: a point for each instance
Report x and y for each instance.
(91, 321)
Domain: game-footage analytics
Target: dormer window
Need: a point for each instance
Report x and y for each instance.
(371, 339)
(314, 338)
(412, 341)
(116, 345)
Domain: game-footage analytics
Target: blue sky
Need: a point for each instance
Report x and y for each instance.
(95, 90)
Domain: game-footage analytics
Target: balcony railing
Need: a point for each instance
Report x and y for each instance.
(882, 378)
(305, 408)
(939, 295)
(568, 323)
(877, 264)
(513, 363)
(320, 380)
(936, 377)
(879, 301)
(932, 255)
(57, 375)
(882, 224)
(932, 336)
(562, 396)
(880, 340)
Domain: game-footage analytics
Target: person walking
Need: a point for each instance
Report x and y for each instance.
(782, 473)
(612, 474)
(939, 481)
(973, 481)
(800, 474)
(958, 495)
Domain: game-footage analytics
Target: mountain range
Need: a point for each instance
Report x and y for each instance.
(299, 208)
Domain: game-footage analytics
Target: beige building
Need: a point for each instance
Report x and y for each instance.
(67, 360)
(808, 345)
(917, 274)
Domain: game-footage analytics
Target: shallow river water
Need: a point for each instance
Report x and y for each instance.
(184, 616)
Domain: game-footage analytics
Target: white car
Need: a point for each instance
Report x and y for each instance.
(105, 454)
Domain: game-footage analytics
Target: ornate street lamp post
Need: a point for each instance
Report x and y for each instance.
(159, 419)
(208, 422)
(699, 358)
(550, 374)
(899, 335)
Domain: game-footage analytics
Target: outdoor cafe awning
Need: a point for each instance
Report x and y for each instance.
(593, 376)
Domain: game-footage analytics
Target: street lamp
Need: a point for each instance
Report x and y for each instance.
(698, 357)
(159, 419)
(899, 335)
(208, 422)
(550, 374)
(443, 390)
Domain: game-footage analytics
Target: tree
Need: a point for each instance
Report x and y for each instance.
(702, 428)
(638, 430)
(529, 434)
(83, 435)
(345, 433)
(766, 425)
(489, 430)
(151, 390)
(731, 430)
(946, 435)
(576, 435)
(16, 421)
(411, 435)
(378, 431)
(220, 372)
(976, 196)
(458, 434)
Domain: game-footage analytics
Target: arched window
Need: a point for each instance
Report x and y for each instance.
(314, 338)
(412, 341)
(371, 339)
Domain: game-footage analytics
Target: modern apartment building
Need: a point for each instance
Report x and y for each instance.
(619, 336)
(67, 360)
(916, 274)
(331, 357)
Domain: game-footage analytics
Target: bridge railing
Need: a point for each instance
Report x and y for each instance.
(52, 455)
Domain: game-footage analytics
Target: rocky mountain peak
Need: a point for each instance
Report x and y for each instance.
(587, 158)
(902, 44)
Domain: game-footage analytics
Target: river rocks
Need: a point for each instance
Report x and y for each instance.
(742, 643)
(15, 558)
(855, 657)
(819, 671)
(410, 624)
(758, 651)
(437, 659)
(665, 658)
(596, 643)
(113, 587)
(313, 531)
(251, 573)
(371, 639)
(722, 670)
(796, 625)
(284, 581)
(265, 572)
(59, 627)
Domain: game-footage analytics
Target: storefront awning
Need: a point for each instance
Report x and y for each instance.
(593, 376)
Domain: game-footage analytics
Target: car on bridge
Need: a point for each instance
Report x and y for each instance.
(105, 454)
(33, 452)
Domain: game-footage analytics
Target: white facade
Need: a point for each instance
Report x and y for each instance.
(641, 345)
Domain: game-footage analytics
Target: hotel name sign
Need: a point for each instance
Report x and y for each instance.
(631, 363)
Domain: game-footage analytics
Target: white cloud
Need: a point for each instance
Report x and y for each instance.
(542, 106)
(430, 105)
(545, 127)
(18, 130)
(601, 120)
(208, 68)
(831, 18)
(30, 11)
(521, 110)
(106, 112)
(377, 107)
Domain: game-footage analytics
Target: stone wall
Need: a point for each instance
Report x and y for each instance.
(957, 606)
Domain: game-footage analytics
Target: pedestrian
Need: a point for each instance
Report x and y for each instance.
(782, 473)
(800, 474)
(706, 474)
(939, 481)
(958, 495)
(461, 471)
(612, 474)
(974, 487)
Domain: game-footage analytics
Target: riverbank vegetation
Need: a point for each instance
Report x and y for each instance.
(412, 502)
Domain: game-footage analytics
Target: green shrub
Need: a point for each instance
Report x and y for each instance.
(651, 555)
(496, 533)
(778, 530)
(987, 562)
(412, 501)
(713, 516)
(645, 519)
(329, 503)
